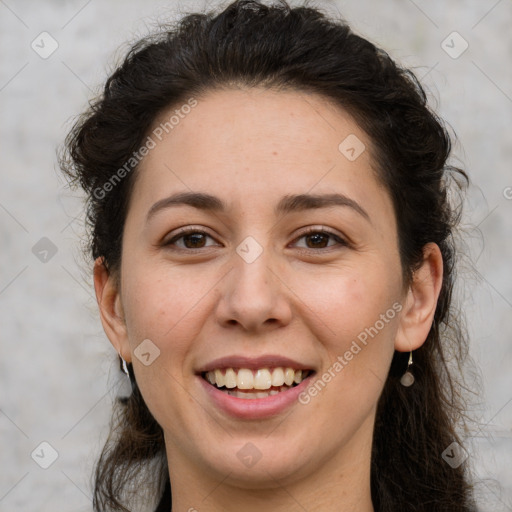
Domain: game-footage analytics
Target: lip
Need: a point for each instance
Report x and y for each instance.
(254, 408)
(253, 363)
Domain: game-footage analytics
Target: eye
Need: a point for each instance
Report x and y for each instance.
(191, 238)
(319, 238)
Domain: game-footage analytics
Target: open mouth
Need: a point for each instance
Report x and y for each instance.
(260, 383)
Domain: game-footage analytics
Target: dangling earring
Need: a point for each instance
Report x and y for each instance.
(408, 378)
(124, 366)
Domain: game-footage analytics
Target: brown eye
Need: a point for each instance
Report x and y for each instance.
(319, 239)
(191, 239)
(194, 240)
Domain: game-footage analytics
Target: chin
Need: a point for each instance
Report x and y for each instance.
(259, 462)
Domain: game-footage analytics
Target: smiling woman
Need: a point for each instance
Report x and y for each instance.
(275, 273)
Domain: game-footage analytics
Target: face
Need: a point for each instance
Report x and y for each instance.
(260, 278)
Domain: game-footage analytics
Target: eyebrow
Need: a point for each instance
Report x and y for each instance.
(288, 204)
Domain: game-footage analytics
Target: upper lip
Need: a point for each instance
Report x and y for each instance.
(253, 363)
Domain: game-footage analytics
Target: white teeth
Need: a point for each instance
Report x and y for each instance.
(219, 378)
(260, 394)
(278, 377)
(289, 375)
(245, 379)
(229, 378)
(261, 379)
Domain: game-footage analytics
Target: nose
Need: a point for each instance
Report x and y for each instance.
(254, 296)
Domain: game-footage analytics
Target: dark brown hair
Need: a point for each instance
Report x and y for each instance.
(252, 44)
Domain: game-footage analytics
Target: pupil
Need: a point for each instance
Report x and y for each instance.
(195, 237)
(320, 235)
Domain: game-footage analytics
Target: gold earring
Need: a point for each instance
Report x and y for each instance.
(408, 378)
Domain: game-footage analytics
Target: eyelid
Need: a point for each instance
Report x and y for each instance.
(188, 230)
(341, 239)
(319, 229)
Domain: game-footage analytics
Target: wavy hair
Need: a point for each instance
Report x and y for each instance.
(252, 44)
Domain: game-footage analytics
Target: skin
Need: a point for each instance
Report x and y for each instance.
(302, 298)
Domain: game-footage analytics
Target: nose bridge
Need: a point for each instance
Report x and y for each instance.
(252, 295)
(253, 273)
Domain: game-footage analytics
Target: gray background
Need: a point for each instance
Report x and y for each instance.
(57, 369)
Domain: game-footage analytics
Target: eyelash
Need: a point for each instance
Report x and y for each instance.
(310, 231)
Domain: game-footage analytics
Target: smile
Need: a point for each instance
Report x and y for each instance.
(259, 383)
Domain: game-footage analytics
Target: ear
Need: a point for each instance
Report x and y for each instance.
(420, 304)
(111, 310)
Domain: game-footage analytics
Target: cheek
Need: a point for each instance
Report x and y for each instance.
(348, 300)
(357, 323)
(356, 319)
(162, 304)
(167, 314)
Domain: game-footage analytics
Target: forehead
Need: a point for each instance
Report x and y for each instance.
(259, 144)
(259, 121)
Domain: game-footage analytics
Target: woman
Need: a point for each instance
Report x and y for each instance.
(274, 263)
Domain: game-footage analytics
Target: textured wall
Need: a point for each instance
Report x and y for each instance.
(57, 376)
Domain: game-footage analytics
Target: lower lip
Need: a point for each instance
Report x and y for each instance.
(254, 408)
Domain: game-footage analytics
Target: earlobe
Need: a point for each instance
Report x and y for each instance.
(111, 309)
(420, 305)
